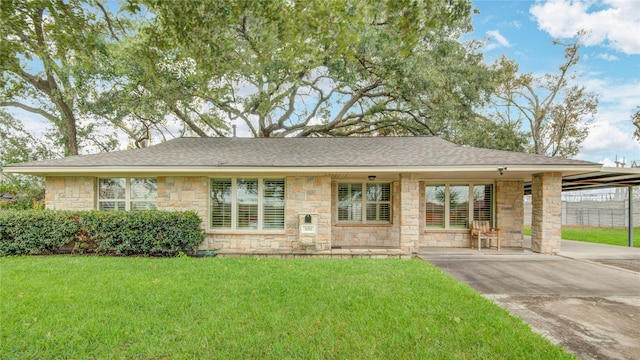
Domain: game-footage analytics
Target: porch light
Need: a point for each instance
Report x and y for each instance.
(502, 169)
(372, 177)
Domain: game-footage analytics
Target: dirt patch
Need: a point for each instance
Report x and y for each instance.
(590, 327)
(633, 265)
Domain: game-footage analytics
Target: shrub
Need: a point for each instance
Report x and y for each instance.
(139, 232)
(36, 232)
(144, 232)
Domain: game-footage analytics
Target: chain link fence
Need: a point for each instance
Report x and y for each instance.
(599, 210)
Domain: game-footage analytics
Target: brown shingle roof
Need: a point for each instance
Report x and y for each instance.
(305, 152)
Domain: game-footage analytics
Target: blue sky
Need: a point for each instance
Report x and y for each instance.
(609, 63)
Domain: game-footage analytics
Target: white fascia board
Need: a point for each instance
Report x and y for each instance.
(104, 170)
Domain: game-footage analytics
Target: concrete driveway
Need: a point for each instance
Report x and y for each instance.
(586, 299)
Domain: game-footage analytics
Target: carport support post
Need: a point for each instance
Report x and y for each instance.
(630, 216)
(546, 219)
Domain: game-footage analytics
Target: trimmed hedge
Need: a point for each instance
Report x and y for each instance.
(162, 233)
(33, 232)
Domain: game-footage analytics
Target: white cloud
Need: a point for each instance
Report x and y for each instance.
(512, 24)
(502, 41)
(611, 134)
(607, 57)
(614, 23)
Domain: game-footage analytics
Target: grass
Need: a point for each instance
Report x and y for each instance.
(609, 236)
(186, 308)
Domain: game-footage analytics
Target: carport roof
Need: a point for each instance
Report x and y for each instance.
(607, 177)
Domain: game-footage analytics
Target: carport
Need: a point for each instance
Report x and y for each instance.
(607, 177)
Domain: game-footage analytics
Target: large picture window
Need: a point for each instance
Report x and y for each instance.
(127, 194)
(247, 204)
(374, 206)
(456, 205)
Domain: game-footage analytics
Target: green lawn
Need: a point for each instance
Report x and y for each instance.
(609, 236)
(196, 308)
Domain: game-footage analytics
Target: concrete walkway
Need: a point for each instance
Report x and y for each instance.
(585, 299)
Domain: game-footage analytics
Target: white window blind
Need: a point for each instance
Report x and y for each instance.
(373, 207)
(379, 202)
(450, 205)
(350, 202)
(221, 196)
(247, 204)
(273, 204)
(482, 200)
(434, 210)
(459, 206)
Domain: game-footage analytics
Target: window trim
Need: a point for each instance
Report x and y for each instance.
(470, 205)
(363, 201)
(127, 194)
(234, 229)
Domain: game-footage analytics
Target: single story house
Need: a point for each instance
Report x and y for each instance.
(318, 194)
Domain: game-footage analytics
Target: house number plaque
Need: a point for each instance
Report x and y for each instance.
(308, 229)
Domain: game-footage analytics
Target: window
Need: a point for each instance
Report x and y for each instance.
(374, 206)
(449, 205)
(247, 204)
(482, 198)
(127, 194)
(221, 203)
(273, 200)
(459, 206)
(435, 195)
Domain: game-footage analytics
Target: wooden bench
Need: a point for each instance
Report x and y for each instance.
(481, 230)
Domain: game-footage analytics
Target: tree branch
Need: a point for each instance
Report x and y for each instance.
(185, 118)
(31, 109)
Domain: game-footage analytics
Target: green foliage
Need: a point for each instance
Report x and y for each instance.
(558, 113)
(607, 236)
(144, 232)
(61, 307)
(27, 192)
(48, 56)
(17, 144)
(161, 233)
(36, 232)
(312, 68)
(280, 68)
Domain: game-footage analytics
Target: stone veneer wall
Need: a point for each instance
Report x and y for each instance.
(456, 238)
(510, 212)
(410, 219)
(181, 193)
(308, 195)
(546, 219)
(381, 235)
(70, 193)
(304, 195)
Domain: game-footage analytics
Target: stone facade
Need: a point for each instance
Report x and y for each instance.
(70, 193)
(305, 195)
(510, 212)
(378, 235)
(180, 193)
(317, 196)
(446, 238)
(308, 195)
(410, 219)
(546, 219)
